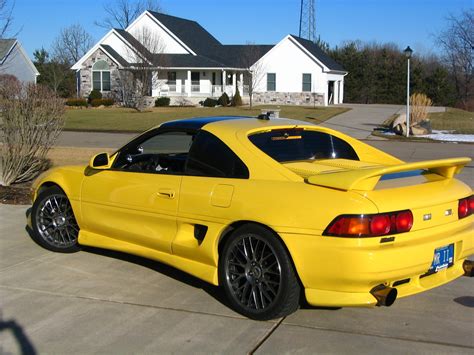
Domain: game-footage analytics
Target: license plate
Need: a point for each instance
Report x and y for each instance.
(443, 258)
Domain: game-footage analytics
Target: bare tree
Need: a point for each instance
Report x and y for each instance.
(6, 17)
(147, 59)
(32, 118)
(254, 68)
(71, 44)
(121, 13)
(458, 44)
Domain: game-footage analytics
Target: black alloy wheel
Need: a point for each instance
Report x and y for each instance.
(53, 222)
(258, 275)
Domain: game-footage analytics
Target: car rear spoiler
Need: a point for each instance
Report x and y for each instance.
(366, 179)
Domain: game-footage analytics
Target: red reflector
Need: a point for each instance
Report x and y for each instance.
(380, 224)
(466, 207)
(404, 221)
(463, 208)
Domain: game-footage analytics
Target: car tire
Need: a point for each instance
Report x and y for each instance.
(258, 275)
(54, 226)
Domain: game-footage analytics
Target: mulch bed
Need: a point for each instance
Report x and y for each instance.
(18, 194)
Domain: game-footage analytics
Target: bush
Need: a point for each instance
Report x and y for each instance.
(94, 95)
(419, 104)
(32, 118)
(223, 100)
(237, 99)
(102, 102)
(76, 102)
(209, 102)
(162, 101)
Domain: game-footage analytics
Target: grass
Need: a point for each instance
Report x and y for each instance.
(123, 119)
(459, 121)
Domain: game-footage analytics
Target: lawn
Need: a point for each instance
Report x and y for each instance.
(453, 119)
(124, 119)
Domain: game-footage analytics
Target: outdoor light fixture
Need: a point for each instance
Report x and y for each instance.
(408, 52)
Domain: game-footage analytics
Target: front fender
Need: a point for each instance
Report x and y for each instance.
(68, 178)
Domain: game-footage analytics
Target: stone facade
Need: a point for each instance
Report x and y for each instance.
(288, 98)
(86, 75)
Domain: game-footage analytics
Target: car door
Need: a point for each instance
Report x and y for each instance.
(136, 201)
(214, 175)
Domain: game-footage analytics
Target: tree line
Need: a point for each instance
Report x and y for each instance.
(378, 71)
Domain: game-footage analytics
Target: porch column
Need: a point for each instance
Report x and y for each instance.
(178, 86)
(241, 86)
(224, 80)
(234, 82)
(336, 92)
(188, 83)
(341, 94)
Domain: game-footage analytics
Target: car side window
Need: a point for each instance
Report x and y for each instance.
(211, 157)
(163, 153)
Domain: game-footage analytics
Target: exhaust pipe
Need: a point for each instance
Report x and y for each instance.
(468, 267)
(384, 295)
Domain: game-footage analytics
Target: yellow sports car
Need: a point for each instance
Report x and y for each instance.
(267, 209)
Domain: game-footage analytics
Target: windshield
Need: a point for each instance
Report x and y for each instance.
(294, 144)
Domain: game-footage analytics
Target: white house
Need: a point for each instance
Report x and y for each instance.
(15, 61)
(190, 63)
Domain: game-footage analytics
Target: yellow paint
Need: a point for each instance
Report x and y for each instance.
(154, 215)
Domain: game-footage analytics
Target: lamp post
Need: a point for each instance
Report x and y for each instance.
(408, 52)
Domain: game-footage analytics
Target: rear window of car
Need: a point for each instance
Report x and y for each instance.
(295, 144)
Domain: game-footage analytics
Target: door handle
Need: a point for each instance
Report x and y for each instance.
(166, 193)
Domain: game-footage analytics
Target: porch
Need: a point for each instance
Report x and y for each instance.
(203, 83)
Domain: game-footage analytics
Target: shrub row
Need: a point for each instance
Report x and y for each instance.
(102, 102)
(162, 101)
(76, 102)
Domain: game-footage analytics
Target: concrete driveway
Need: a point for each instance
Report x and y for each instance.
(105, 302)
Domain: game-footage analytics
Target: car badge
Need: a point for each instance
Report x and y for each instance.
(448, 212)
(427, 217)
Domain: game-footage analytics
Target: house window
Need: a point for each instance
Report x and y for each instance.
(101, 76)
(172, 77)
(271, 82)
(171, 80)
(307, 82)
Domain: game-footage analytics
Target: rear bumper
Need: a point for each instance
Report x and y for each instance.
(342, 271)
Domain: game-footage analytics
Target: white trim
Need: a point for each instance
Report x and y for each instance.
(195, 68)
(166, 29)
(109, 55)
(22, 52)
(78, 64)
(308, 53)
(28, 60)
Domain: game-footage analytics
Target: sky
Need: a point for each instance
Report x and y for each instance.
(403, 22)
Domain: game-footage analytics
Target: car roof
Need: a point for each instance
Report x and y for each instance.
(197, 122)
(229, 122)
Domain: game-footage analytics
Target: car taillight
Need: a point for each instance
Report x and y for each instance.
(466, 207)
(371, 225)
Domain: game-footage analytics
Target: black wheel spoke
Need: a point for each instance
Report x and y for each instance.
(56, 223)
(253, 272)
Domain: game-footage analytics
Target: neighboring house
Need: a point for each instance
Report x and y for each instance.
(15, 61)
(191, 63)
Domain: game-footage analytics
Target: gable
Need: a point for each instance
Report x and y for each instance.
(6, 46)
(169, 41)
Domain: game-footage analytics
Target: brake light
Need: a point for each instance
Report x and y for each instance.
(372, 225)
(466, 207)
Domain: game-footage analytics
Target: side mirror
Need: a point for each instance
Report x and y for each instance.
(100, 161)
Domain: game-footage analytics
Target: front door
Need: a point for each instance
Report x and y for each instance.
(136, 201)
